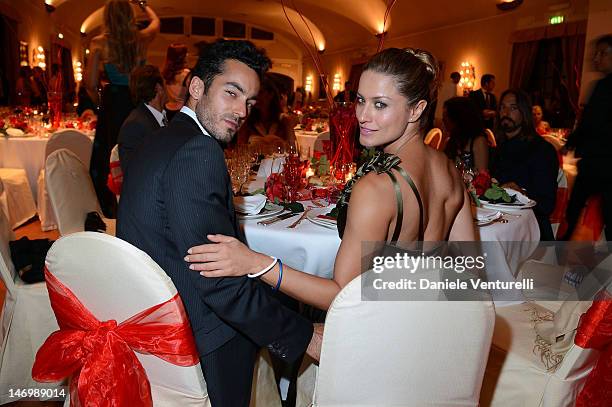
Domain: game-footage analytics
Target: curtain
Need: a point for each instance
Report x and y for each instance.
(523, 60)
(9, 63)
(573, 56)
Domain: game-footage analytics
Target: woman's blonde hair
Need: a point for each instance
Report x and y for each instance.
(121, 34)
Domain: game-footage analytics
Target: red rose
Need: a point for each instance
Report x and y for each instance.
(482, 182)
(1, 124)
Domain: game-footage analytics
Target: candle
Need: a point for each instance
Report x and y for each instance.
(309, 173)
(348, 176)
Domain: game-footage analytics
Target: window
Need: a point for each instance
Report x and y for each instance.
(203, 26)
(233, 29)
(258, 34)
(172, 25)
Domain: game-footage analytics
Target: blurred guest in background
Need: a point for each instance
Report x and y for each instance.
(175, 74)
(347, 95)
(485, 99)
(467, 143)
(41, 86)
(149, 96)
(448, 89)
(542, 127)
(24, 86)
(592, 141)
(523, 160)
(265, 124)
(116, 52)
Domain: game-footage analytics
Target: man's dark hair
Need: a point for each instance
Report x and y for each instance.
(523, 103)
(455, 75)
(212, 59)
(486, 78)
(142, 83)
(604, 39)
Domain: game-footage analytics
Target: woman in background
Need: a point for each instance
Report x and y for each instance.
(175, 74)
(467, 144)
(542, 127)
(115, 53)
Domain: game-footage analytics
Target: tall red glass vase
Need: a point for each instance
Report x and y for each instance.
(342, 126)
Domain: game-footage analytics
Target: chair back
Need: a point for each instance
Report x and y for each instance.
(413, 353)
(434, 138)
(557, 218)
(490, 138)
(7, 269)
(115, 281)
(77, 142)
(318, 144)
(70, 190)
(115, 177)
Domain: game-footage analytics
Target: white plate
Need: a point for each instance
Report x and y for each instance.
(12, 132)
(312, 216)
(486, 216)
(522, 202)
(269, 210)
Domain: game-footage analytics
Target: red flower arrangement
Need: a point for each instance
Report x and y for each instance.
(482, 182)
(275, 188)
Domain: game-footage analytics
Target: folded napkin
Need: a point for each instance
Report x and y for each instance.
(12, 132)
(249, 205)
(270, 165)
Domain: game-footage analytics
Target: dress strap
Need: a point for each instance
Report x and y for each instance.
(400, 203)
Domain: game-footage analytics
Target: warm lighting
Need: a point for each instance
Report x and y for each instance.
(78, 71)
(87, 51)
(556, 20)
(309, 173)
(468, 76)
(38, 57)
(336, 85)
(321, 47)
(60, 36)
(308, 85)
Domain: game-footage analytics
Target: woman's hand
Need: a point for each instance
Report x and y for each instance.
(314, 347)
(225, 257)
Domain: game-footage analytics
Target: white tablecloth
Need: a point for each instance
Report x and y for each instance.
(27, 153)
(312, 248)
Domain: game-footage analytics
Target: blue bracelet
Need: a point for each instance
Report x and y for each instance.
(280, 275)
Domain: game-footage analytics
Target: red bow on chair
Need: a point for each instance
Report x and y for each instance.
(100, 355)
(595, 332)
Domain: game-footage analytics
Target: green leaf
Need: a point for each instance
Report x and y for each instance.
(294, 207)
(333, 213)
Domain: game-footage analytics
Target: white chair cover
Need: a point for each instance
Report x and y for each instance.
(71, 192)
(402, 353)
(16, 200)
(434, 138)
(115, 280)
(77, 142)
(519, 373)
(26, 321)
(318, 145)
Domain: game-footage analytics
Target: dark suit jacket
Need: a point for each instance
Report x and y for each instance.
(478, 97)
(176, 192)
(139, 125)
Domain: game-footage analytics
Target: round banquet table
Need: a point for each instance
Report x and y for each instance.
(27, 153)
(312, 248)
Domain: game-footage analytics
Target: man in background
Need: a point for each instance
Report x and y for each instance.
(485, 99)
(149, 97)
(347, 95)
(448, 90)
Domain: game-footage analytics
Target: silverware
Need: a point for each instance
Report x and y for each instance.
(297, 222)
(277, 218)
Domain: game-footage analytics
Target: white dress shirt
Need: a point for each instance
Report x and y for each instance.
(159, 116)
(192, 114)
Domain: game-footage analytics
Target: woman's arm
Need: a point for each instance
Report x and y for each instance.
(462, 229)
(481, 153)
(368, 219)
(150, 31)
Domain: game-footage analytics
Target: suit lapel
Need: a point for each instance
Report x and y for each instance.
(147, 113)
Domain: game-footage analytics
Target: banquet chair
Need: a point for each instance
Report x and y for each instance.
(115, 281)
(25, 322)
(71, 192)
(318, 144)
(434, 138)
(77, 142)
(490, 138)
(526, 369)
(115, 176)
(402, 353)
(557, 218)
(16, 198)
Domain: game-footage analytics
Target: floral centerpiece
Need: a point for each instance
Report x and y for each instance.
(481, 186)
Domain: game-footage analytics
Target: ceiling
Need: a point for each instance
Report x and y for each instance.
(337, 24)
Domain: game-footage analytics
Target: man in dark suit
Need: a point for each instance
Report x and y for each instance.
(177, 191)
(592, 142)
(149, 96)
(347, 95)
(485, 99)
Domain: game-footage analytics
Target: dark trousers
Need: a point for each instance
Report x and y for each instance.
(228, 372)
(590, 181)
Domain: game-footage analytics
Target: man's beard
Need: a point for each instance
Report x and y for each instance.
(208, 122)
(508, 125)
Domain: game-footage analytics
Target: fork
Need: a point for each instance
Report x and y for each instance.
(297, 222)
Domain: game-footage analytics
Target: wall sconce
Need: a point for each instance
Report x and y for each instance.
(381, 35)
(468, 76)
(308, 85)
(23, 53)
(78, 71)
(336, 85)
(39, 57)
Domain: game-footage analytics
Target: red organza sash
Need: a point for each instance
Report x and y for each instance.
(100, 355)
(595, 332)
